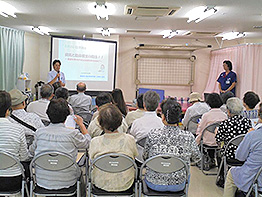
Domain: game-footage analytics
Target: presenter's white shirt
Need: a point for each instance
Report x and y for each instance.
(52, 74)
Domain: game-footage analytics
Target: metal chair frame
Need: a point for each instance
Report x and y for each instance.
(235, 141)
(254, 185)
(51, 163)
(209, 128)
(111, 163)
(164, 164)
(10, 161)
(193, 119)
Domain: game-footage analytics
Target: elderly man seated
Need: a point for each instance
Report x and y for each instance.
(249, 151)
(39, 107)
(113, 141)
(30, 122)
(12, 141)
(56, 137)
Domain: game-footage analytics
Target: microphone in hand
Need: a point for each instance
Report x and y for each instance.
(58, 75)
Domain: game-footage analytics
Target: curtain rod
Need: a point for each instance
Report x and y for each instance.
(237, 46)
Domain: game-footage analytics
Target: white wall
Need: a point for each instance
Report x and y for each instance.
(38, 48)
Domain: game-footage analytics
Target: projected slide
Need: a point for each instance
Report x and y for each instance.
(89, 61)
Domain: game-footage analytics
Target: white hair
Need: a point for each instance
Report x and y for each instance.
(235, 106)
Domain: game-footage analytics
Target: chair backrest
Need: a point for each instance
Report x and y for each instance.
(8, 161)
(165, 164)
(235, 141)
(192, 123)
(210, 128)
(142, 142)
(113, 162)
(53, 161)
(255, 183)
(87, 116)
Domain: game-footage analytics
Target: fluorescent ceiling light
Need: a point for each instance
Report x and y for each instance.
(172, 33)
(101, 10)
(7, 10)
(231, 35)
(41, 30)
(200, 13)
(105, 32)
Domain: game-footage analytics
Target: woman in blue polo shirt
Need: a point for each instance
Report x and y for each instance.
(227, 80)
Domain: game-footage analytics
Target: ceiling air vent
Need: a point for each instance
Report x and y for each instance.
(202, 34)
(150, 11)
(137, 31)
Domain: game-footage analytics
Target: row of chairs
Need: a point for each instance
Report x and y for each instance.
(113, 163)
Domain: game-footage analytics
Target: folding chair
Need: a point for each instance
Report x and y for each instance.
(9, 161)
(254, 185)
(53, 161)
(87, 116)
(235, 141)
(192, 124)
(113, 163)
(140, 148)
(163, 164)
(209, 128)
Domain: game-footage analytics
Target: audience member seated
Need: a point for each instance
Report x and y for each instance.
(170, 140)
(80, 101)
(94, 127)
(56, 137)
(133, 115)
(39, 107)
(141, 126)
(249, 151)
(212, 116)
(119, 101)
(250, 100)
(56, 85)
(235, 125)
(64, 94)
(100, 100)
(225, 97)
(113, 141)
(198, 108)
(12, 141)
(30, 122)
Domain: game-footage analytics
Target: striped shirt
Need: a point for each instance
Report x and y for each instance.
(56, 137)
(12, 140)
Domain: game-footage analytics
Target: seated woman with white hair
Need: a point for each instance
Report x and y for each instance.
(235, 125)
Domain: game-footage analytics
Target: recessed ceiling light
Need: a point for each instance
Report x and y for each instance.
(101, 9)
(200, 13)
(7, 10)
(41, 30)
(231, 35)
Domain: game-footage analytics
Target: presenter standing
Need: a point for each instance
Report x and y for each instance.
(55, 75)
(227, 80)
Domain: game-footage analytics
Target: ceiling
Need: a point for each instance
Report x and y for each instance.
(72, 17)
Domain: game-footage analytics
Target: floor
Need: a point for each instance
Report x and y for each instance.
(202, 185)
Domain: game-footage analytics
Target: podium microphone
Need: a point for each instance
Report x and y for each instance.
(58, 77)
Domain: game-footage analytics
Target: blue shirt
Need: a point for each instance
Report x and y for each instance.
(52, 74)
(250, 151)
(226, 80)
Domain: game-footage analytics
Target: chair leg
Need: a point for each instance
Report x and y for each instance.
(225, 168)
(140, 189)
(23, 188)
(78, 190)
(220, 168)
(31, 188)
(89, 190)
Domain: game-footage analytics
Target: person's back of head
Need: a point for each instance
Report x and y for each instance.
(46, 91)
(81, 87)
(110, 117)
(5, 103)
(251, 99)
(118, 97)
(103, 98)
(235, 106)
(57, 110)
(214, 100)
(17, 99)
(139, 101)
(226, 96)
(171, 110)
(56, 85)
(151, 100)
(62, 93)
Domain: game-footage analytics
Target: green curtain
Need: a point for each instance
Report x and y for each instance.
(11, 57)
